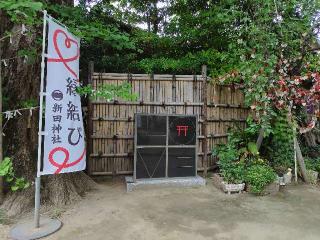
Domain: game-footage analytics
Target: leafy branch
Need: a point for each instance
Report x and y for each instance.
(108, 91)
(6, 171)
(21, 11)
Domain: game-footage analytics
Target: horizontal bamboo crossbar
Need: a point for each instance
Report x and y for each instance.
(112, 155)
(200, 169)
(131, 119)
(154, 76)
(226, 120)
(148, 103)
(102, 80)
(120, 155)
(132, 137)
(212, 105)
(111, 173)
(138, 77)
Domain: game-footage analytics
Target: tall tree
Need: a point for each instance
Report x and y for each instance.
(151, 13)
(21, 84)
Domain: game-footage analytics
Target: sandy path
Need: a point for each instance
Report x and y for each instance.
(191, 213)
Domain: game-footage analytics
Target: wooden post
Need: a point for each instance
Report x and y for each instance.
(260, 138)
(204, 119)
(89, 119)
(174, 92)
(298, 153)
(301, 160)
(295, 161)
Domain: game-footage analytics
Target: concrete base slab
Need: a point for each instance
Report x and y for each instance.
(27, 231)
(164, 182)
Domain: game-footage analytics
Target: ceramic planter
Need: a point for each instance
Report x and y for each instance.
(226, 187)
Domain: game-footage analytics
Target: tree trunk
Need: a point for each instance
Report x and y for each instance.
(301, 161)
(260, 138)
(21, 82)
(154, 17)
(311, 138)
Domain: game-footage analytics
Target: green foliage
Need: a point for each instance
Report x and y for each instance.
(231, 167)
(30, 53)
(311, 152)
(244, 137)
(21, 11)
(29, 103)
(153, 13)
(193, 37)
(109, 92)
(280, 149)
(236, 155)
(90, 28)
(6, 171)
(240, 161)
(191, 62)
(312, 164)
(258, 176)
(267, 40)
(252, 148)
(104, 39)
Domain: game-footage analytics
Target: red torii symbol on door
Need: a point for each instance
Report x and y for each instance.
(182, 128)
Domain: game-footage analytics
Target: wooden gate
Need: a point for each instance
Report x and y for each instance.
(111, 124)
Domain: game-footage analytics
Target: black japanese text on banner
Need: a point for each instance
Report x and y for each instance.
(64, 147)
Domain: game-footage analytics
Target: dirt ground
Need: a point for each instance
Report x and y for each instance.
(189, 213)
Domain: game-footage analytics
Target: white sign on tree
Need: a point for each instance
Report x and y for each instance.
(64, 146)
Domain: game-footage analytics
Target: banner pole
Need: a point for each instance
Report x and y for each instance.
(31, 229)
(295, 161)
(37, 203)
(37, 180)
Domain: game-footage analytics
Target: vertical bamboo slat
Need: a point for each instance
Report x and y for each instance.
(89, 119)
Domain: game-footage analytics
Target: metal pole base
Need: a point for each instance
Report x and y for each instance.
(27, 231)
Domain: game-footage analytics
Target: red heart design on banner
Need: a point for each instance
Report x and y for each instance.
(68, 43)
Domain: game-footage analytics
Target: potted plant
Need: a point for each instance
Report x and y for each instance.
(240, 164)
(232, 169)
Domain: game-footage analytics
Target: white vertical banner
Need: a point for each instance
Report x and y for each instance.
(64, 146)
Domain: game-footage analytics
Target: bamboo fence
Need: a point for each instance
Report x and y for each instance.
(111, 124)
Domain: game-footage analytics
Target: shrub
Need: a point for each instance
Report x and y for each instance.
(313, 164)
(280, 150)
(258, 177)
(240, 161)
(231, 168)
(236, 154)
